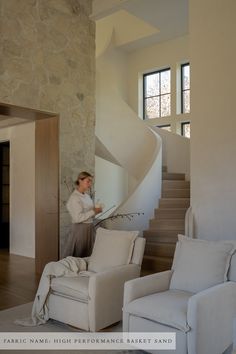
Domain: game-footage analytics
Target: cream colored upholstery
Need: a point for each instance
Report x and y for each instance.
(111, 248)
(200, 264)
(94, 300)
(197, 303)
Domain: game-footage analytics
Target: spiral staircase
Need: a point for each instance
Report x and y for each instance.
(125, 140)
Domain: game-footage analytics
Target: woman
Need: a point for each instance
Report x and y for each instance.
(82, 212)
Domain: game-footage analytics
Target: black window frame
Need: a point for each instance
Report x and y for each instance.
(161, 126)
(144, 89)
(182, 85)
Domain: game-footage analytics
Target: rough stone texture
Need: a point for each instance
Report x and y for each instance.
(47, 62)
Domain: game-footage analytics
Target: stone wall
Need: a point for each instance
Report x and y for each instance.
(47, 62)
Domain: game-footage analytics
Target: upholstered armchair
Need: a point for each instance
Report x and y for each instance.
(196, 299)
(93, 299)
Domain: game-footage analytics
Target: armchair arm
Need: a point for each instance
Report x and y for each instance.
(210, 317)
(147, 285)
(106, 291)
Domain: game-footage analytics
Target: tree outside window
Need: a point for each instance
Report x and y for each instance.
(185, 88)
(156, 94)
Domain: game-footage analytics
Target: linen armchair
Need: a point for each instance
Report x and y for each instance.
(93, 299)
(196, 299)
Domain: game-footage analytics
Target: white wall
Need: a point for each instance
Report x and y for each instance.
(111, 72)
(22, 188)
(111, 183)
(213, 130)
(165, 54)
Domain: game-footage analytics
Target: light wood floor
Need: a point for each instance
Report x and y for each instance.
(18, 280)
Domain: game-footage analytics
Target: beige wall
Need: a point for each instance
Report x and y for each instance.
(47, 51)
(213, 143)
(22, 187)
(162, 55)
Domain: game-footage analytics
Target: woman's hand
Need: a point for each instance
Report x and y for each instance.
(97, 210)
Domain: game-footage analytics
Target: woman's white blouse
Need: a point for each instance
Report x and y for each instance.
(80, 207)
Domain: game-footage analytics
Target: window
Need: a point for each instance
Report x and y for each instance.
(165, 127)
(185, 129)
(185, 88)
(156, 94)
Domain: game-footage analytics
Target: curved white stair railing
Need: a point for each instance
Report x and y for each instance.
(144, 197)
(138, 150)
(128, 141)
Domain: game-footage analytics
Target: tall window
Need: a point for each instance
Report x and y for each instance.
(156, 94)
(185, 88)
(185, 129)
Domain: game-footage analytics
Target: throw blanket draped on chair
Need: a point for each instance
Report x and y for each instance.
(69, 266)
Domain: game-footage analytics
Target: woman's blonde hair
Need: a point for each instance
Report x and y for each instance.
(83, 175)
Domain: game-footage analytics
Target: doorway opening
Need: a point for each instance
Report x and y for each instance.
(46, 179)
(4, 195)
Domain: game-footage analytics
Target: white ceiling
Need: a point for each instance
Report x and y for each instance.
(170, 17)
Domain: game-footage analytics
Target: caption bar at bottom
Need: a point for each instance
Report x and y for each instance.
(87, 341)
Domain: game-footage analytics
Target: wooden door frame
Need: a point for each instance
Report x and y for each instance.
(46, 199)
(46, 192)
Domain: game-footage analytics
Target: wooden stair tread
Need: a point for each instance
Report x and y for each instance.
(175, 184)
(176, 193)
(159, 249)
(168, 221)
(169, 236)
(173, 176)
(174, 199)
(167, 224)
(174, 202)
(153, 232)
(156, 264)
(158, 259)
(170, 213)
(172, 209)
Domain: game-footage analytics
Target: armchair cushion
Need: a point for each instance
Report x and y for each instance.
(200, 264)
(166, 307)
(112, 248)
(72, 287)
